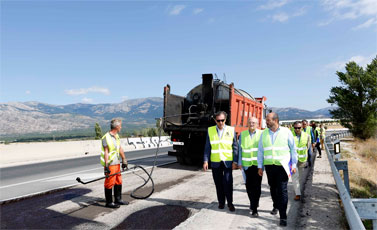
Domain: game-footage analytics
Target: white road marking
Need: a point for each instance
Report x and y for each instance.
(48, 178)
(64, 176)
(70, 185)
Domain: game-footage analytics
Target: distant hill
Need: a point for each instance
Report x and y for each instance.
(294, 113)
(36, 117)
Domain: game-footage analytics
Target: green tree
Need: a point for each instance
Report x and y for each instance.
(98, 131)
(152, 132)
(356, 99)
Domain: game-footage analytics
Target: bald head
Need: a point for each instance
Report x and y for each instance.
(273, 116)
(272, 121)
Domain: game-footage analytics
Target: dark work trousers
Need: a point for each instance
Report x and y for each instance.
(318, 147)
(278, 181)
(223, 178)
(253, 186)
(310, 153)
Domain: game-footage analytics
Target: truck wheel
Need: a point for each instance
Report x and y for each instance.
(188, 161)
(181, 160)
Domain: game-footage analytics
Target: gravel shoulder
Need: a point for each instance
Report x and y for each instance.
(321, 204)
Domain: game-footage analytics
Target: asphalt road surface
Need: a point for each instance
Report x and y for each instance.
(27, 180)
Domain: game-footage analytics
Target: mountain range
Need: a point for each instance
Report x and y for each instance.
(37, 117)
(290, 113)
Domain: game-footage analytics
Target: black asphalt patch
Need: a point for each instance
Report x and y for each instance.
(33, 213)
(157, 217)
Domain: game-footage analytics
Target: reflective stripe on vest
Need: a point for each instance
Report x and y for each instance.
(274, 153)
(322, 133)
(250, 147)
(318, 131)
(302, 146)
(112, 150)
(221, 149)
(309, 132)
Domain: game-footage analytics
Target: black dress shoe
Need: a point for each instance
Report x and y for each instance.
(112, 205)
(274, 211)
(221, 206)
(255, 214)
(231, 207)
(283, 222)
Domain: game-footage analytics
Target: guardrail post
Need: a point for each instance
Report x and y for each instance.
(367, 209)
(343, 165)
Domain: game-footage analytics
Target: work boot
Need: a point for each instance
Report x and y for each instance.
(118, 195)
(109, 198)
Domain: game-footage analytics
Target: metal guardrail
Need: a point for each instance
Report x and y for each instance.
(352, 214)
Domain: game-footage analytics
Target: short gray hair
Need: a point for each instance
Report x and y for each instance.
(115, 122)
(297, 122)
(253, 118)
(221, 112)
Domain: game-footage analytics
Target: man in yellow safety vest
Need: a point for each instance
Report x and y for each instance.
(302, 142)
(316, 133)
(308, 130)
(277, 153)
(221, 149)
(110, 159)
(247, 160)
(322, 135)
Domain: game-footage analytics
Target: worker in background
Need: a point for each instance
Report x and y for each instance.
(291, 127)
(277, 153)
(316, 133)
(308, 130)
(110, 159)
(302, 142)
(247, 160)
(221, 148)
(322, 135)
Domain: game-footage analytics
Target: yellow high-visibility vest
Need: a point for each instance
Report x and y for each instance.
(275, 153)
(323, 133)
(221, 149)
(113, 151)
(302, 146)
(309, 132)
(250, 147)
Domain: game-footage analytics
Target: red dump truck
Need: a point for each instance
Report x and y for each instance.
(187, 118)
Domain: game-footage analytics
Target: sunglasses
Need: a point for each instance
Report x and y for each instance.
(220, 120)
(297, 127)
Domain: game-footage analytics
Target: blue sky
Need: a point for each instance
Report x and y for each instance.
(63, 52)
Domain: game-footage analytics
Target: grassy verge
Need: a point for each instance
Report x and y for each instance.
(362, 164)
